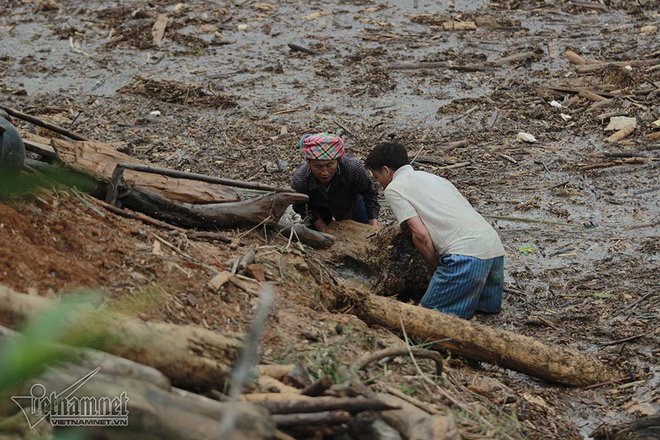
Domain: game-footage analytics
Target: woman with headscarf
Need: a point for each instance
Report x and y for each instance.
(339, 187)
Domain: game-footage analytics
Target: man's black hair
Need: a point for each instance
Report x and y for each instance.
(388, 154)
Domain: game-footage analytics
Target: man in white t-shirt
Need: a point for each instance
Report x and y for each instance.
(463, 252)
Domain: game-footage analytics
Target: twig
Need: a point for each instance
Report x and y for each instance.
(87, 203)
(454, 166)
(529, 220)
(615, 163)
(621, 341)
(295, 47)
(368, 358)
(40, 122)
(436, 65)
(418, 153)
(459, 117)
(263, 222)
(509, 158)
(133, 215)
(208, 235)
(602, 384)
(247, 358)
(173, 247)
(513, 58)
(201, 177)
(292, 110)
(418, 403)
(636, 303)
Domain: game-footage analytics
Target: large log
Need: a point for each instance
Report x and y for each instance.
(189, 356)
(155, 409)
(483, 343)
(266, 209)
(98, 159)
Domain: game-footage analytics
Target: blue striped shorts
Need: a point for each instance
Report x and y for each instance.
(464, 285)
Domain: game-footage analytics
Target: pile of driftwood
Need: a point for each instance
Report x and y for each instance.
(179, 199)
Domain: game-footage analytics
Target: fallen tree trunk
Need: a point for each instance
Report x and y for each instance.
(189, 356)
(99, 160)
(223, 215)
(483, 343)
(153, 409)
(266, 209)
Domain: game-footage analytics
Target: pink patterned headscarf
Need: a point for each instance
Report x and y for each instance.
(322, 146)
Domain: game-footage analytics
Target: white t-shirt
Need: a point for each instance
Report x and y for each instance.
(454, 225)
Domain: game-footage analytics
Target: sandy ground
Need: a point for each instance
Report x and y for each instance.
(233, 98)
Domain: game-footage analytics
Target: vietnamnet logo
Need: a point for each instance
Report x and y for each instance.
(64, 409)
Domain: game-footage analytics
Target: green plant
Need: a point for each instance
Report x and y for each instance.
(407, 389)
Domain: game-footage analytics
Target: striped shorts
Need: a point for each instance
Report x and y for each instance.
(464, 285)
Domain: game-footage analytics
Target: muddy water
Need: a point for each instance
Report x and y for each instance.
(82, 66)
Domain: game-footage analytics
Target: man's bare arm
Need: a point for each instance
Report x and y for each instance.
(422, 241)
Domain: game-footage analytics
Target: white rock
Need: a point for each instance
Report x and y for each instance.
(555, 104)
(155, 113)
(621, 122)
(565, 117)
(526, 137)
(242, 27)
(656, 124)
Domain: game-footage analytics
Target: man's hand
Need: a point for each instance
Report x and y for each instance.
(373, 222)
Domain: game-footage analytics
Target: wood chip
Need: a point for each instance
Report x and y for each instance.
(592, 96)
(459, 26)
(220, 280)
(574, 58)
(620, 135)
(158, 30)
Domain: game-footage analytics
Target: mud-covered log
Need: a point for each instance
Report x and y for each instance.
(266, 209)
(189, 356)
(483, 343)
